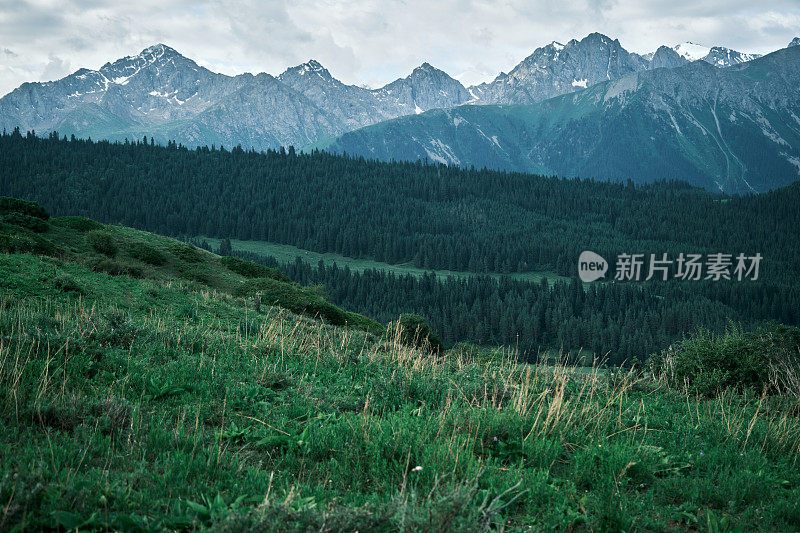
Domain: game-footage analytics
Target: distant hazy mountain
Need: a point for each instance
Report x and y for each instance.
(162, 94)
(735, 129)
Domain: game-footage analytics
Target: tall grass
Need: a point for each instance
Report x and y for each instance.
(143, 404)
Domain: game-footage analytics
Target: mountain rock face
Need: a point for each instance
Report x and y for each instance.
(162, 94)
(666, 57)
(735, 130)
(795, 42)
(719, 56)
(558, 69)
(425, 88)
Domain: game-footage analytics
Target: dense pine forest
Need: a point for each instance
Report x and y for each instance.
(436, 216)
(620, 322)
(441, 218)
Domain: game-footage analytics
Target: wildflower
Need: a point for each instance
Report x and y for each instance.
(701, 453)
(417, 469)
(495, 439)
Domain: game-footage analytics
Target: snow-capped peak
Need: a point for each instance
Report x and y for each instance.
(558, 46)
(692, 51)
(311, 67)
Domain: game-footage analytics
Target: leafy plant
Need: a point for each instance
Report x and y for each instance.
(249, 269)
(765, 359)
(415, 331)
(147, 254)
(15, 205)
(102, 242)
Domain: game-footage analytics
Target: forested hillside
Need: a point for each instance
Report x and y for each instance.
(442, 218)
(435, 216)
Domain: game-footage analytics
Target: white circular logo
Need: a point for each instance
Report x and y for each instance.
(591, 266)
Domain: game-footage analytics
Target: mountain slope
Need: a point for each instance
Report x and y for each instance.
(162, 94)
(112, 382)
(558, 69)
(734, 129)
(719, 56)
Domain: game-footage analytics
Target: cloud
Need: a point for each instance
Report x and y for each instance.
(54, 69)
(365, 41)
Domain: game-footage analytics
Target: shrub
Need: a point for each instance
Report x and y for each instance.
(14, 239)
(102, 242)
(77, 223)
(26, 221)
(186, 252)
(296, 299)
(249, 269)
(65, 283)
(766, 359)
(198, 274)
(415, 331)
(147, 254)
(114, 268)
(14, 205)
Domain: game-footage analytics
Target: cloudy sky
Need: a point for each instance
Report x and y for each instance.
(367, 42)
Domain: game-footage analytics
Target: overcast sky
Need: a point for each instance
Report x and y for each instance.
(367, 42)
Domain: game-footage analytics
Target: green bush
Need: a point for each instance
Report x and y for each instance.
(200, 274)
(147, 254)
(102, 242)
(415, 331)
(77, 223)
(114, 268)
(65, 283)
(249, 269)
(14, 205)
(766, 359)
(14, 239)
(186, 252)
(301, 300)
(25, 221)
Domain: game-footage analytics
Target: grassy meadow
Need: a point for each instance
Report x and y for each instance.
(146, 386)
(285, 253)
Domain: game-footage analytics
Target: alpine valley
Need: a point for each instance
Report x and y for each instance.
(718, 118)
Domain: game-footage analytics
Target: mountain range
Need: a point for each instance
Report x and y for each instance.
(161, 94)
(734, 129)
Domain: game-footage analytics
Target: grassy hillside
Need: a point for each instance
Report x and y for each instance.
(117, 250)
(140, 392)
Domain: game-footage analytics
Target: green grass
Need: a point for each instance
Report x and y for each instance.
(159, 402)
(285, 254)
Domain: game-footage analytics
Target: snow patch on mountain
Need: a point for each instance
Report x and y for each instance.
(692, 51)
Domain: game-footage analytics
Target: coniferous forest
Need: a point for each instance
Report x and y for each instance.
(438, 217)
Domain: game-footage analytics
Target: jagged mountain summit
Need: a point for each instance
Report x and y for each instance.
(162, 94)
(558, 68)
(795, 42)
(731, 129)
(719, 56)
